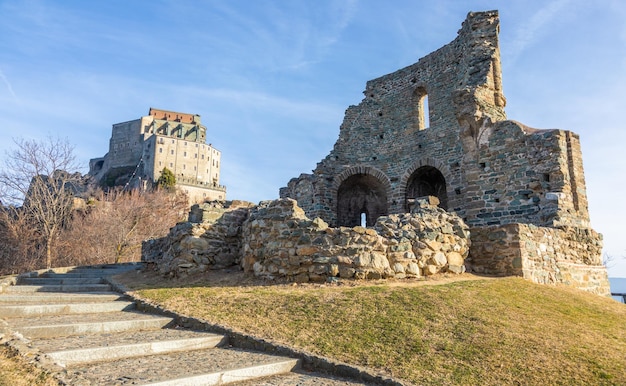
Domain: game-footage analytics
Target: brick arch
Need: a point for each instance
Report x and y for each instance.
(426, 161)
(360, 169)
(360, 189)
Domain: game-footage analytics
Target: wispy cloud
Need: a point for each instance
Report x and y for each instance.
(529, 31)
(8, 86)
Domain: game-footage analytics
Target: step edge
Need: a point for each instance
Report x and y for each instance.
(63, 308)
(46, 331)
(233, 375)
(100, 354)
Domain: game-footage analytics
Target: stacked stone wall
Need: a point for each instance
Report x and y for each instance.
(276, 240)
(567, 255)
(209, 240)
(281, 241)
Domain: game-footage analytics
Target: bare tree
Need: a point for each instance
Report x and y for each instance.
(114, 226)
(19, 242)
(41, 176)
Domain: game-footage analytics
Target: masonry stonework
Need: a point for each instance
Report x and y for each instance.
(275, 239)
(140, 149)
(438, 127)
(427, 176)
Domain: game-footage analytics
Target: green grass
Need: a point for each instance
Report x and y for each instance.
(487, 332)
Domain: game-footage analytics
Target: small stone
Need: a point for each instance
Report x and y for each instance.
(455, 258)
(430, 270)
(413, 269)
(439, 259)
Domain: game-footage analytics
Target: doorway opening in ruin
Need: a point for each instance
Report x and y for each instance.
(361, 198)
(427, 181)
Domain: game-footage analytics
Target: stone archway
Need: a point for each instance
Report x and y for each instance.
(427, 181)
(361, 194)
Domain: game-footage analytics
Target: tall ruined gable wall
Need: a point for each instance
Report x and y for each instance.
(495, 171)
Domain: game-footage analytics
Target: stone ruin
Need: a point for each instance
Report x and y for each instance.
(275, 239)
(435, 128)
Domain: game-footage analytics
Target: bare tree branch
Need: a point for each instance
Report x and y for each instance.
(41, 176)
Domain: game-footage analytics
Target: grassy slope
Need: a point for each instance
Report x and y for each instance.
(489, 332)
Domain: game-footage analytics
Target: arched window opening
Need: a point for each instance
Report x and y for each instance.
(361, 197)
(427, 181)
(425, 111)
(422, 110)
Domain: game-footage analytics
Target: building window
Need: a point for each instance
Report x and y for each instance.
(420, 97)
(202, 156)
(172, 151)
(160, 150)
(185, 154)
(195, 155)
(171, 165)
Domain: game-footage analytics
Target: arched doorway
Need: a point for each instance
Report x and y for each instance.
(361, 195)
(427, 181)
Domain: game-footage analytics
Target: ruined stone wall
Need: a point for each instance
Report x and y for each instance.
(209, 240)
(279, 240)
(386, 137)
(526, 175)
(486, 169)
(276, 240)
(567, 255)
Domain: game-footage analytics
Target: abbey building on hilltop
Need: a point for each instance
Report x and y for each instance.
(140, 149)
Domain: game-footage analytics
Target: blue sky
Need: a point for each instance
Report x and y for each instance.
(272, 79)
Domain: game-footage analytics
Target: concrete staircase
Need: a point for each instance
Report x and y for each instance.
(99, 338)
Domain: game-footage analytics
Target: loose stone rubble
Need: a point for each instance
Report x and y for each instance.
(275, 239)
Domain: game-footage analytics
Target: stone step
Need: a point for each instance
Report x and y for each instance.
(147, 347)
(57, 297)
(103, 268)
(59, 280)
(230, 376)
(11, 311)
(62, 325)
(197, 367)
(78, 275)
(301, 378)
(100, 342)
(89, 341)
(59, 288)
(88, 272)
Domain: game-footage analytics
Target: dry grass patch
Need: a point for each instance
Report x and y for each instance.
(488, 332)
(15, 371)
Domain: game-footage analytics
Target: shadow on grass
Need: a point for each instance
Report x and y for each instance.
(149, 278)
